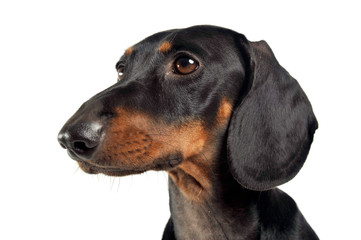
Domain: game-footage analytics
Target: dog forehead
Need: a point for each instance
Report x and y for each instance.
(202, 37)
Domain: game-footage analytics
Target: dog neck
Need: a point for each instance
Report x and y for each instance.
(204, 195)
(204, 208)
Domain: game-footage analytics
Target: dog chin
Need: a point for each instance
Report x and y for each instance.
(116, 172)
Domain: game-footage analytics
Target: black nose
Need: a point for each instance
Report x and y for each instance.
(81, 139)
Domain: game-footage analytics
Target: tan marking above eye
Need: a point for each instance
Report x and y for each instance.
(165, 47)
(129, 51)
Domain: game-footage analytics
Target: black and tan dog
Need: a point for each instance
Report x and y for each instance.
(220, 115)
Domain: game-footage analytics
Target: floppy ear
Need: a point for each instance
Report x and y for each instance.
(271, 130)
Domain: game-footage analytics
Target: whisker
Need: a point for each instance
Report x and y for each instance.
(76, 170)
(173, 146)
(118, 184)
(207, 160)
(204, 156)
(112, 183)
(158, 134)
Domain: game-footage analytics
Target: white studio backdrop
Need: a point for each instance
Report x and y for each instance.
(54, 55)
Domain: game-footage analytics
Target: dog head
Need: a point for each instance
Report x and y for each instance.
(183, 93)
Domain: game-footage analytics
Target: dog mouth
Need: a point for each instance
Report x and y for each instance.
(109, 171)
(162, 164)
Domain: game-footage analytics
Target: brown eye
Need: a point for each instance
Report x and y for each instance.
(120, 72)
(185, 65)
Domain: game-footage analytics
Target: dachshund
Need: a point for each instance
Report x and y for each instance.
(220, 115)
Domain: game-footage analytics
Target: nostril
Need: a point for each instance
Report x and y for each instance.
(81, 139)
(82, 147)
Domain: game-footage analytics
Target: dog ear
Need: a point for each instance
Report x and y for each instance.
(271, 130)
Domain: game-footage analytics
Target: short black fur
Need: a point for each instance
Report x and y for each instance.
(264, 144)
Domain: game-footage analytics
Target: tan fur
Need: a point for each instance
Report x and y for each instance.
(165, 47)
(224, 111)
(193, 177)
(129, 51)
(137, 141)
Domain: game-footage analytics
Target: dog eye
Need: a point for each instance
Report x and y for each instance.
(185, 65)
(120, 72)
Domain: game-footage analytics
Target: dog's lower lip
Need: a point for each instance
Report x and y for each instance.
(93, 169)
(116, 172)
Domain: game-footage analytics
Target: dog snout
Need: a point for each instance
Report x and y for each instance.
(81, 139)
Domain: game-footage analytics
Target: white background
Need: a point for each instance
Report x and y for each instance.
(54, 55)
